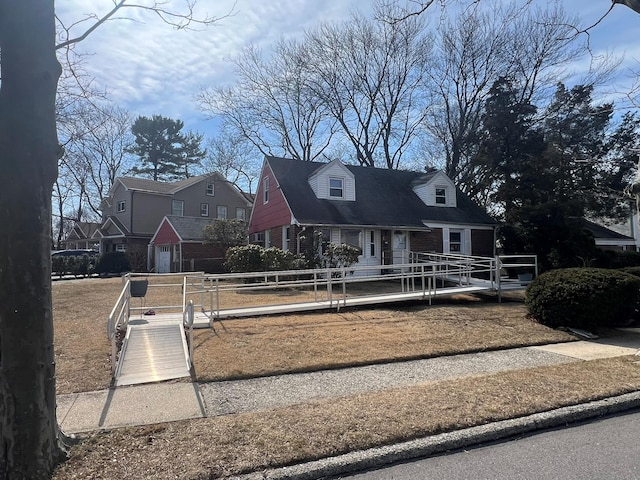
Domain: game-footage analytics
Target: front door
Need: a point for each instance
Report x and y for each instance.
(163, 259)
(387, 254)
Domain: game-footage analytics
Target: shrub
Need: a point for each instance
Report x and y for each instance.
(254, 258)
(246, 258)
(113, 262)
(583, 297)
(339, 255)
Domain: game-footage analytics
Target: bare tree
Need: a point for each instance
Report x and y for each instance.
(271, 104)
(368, 73)
(234, 158)
(529, 45)
(97, 154)
(30, 440)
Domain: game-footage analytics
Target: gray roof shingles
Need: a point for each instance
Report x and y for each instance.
(383, 198)
(189, 228)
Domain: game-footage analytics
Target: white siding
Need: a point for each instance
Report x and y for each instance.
(427, 191)
(319, 181)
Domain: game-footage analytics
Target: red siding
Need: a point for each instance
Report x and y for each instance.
(166, 235)
(275, 212)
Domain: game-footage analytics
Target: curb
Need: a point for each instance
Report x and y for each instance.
(381, 456)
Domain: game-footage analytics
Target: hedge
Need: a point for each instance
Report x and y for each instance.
(585, 298)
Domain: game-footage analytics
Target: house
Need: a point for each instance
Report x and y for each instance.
(611, 238)
(384, 213)
(83, 235)
(135, 207)
(179, 245)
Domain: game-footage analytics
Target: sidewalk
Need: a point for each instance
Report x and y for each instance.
(170, 401)
(84, 413)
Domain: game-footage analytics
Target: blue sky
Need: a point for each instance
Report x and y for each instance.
(149, 68)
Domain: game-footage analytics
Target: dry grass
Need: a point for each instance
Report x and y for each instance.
(306, 342)
(223, 446)
(268, 345)
(227, 445)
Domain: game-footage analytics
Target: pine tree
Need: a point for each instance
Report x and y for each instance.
(165, 152)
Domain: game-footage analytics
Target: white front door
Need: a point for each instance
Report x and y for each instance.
(400, 247)
(163, 259)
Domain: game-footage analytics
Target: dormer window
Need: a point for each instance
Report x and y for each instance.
(441, 196)
(336, 188)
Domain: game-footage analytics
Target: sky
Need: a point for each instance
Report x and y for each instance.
(149, 68)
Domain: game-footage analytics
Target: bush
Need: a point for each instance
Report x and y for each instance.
(113, 262)
(78, 265)
(583, 298)
(247, 258)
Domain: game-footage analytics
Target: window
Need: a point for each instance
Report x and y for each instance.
(267, 238)
(286, 237)
(265, 190)
(241, 213)
(258, 237)
(221, 212)
(211, 189)
(120, 207)
(455, 241)
(336, 189)
(441, 196)
(177, 208)
(204, 209)
(352, 238)
(121, 247)
(372, 243)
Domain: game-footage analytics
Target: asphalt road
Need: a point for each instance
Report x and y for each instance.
(603, 449)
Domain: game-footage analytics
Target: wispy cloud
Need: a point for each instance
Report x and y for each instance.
(148, 67)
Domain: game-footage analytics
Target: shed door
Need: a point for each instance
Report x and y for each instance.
(163, 259)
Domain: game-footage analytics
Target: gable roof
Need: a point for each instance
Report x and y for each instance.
(164, 188)
(384, 198)
(602, 232)
(189, 228)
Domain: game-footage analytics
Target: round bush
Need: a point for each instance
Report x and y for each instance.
(583, 298)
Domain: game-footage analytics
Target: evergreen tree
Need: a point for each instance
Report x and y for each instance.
(165, 152)
(547, 176)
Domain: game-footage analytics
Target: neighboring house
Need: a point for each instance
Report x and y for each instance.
(83, 235)
(178, 245)
(135, 207)
(384, 213)
(609, 239)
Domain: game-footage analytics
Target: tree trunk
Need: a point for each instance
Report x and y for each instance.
(29, 150)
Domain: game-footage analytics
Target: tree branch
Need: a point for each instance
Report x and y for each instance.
(176, 19)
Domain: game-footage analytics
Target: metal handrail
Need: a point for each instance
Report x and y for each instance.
(119, 316)
(187, 322)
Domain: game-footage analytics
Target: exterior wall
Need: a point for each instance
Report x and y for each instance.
(427, 241)
(202, 257)
(223, 194)
(148, 210)
(166, 235)
(120, 194)
(276, 237)
(274, 213)
(482, 243)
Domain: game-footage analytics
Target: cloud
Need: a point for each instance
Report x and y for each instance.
(148, 67)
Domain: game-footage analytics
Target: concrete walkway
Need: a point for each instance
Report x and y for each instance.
(180, 400)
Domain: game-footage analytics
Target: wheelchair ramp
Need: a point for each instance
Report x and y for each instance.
(152, 353)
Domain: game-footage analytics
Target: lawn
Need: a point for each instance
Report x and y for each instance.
(240, 348)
